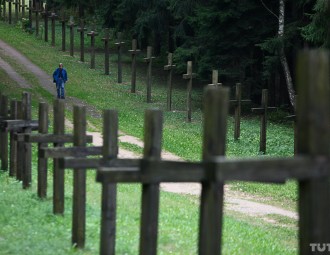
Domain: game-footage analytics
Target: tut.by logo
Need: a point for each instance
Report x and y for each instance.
(320, 247)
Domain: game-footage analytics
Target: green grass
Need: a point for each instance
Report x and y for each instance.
(179, 214)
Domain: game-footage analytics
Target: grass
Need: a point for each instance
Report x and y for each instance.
(179, 214)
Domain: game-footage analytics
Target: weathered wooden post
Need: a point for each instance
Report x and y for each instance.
(71, 26)
(148, 60)
(92, 34)
(9, 10)
(27, 161)
(42, 162)
(37, 11)
(20, 151)
(4, 9)
(58, 182)
(79, 181)
(214, 144)
(237, 103)
(189, 76)
(134, 51)
(23, 6)
(169, 67)
(16, 3)
(109, 190)
(45, 16)
(63, 23)
(119, 44)
(263, 119)
(53, 16)
(215, 79)
(13, 143)
(30, 9)
(82, 30)
(153, 127)
(106, 40)
(313, 140)
(4, 134)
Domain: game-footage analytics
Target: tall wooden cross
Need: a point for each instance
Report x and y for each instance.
(24, 153)
(82, 30)
(45, 14)
(189, 76)
(63, 25)
(71, 27)
(119, 44)
(169, 67)
(106, 40)
(30, 9)
(12, 142)
(53, 16)
(37, 10)
(9, 10)
(17, 4)
(23, 6)
(134, 51)
(237, 103)
(215, 79)
(92, 34)
(148, 60)
(263, 119)
(3, 133)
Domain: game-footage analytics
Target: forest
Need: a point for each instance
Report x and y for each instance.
(253, 42)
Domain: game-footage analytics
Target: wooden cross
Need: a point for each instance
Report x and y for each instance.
(23, 6)
(106, 40)
(71, 26)
(36, 10)
(119, 44)
(169, 67)
(215, 79)
(63, 23)
(263, 119)
(82, 30)
(148, 60)
(12, 143)
(3, 133)
(9, 10)
(134, 51)
(17, 4)
(53, 16)
(30, 9)
(4, 11)
(45, 14)
(24, 153)
(189, 76)
(92, 34)
(237, 103)
(109, 159)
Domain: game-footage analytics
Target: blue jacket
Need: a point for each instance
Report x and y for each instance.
(57, 73)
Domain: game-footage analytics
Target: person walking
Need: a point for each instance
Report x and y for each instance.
(60, 77)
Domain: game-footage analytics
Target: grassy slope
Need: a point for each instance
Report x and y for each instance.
(183, 139)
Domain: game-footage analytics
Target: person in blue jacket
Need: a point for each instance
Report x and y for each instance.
(60, 77)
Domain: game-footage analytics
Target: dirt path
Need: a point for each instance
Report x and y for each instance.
(233, 199)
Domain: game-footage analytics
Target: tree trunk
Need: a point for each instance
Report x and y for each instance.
(283, 58)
